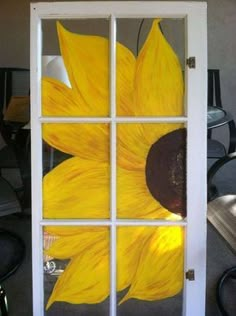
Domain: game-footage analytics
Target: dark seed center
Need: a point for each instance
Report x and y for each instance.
(166, 171)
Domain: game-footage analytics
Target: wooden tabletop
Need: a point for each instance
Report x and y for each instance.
(221, 212)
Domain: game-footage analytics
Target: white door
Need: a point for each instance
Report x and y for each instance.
(118, 119)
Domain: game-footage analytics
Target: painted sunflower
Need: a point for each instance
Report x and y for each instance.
(150, 169)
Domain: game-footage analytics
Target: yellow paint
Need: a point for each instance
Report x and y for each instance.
(149, 259)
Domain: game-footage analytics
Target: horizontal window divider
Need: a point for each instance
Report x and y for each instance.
(166, 119)
(134, 9)
(127, 119)
(118, 222)
(102, 15)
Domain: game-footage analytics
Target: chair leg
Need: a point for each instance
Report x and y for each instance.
(3, 302)
(229, 273)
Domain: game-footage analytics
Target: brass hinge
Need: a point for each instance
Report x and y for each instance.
(190, 275)
(191, 62)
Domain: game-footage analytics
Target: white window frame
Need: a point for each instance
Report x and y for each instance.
(195, 119)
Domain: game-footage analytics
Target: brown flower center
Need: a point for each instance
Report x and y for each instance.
(166, 171)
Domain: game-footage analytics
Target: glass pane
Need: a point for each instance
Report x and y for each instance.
(149, 69)
(75, 67)
(76, 181)
(151, 175)
(150, 271)
(76, 270)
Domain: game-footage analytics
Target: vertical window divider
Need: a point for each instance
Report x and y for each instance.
(113, 233)
(36, 155)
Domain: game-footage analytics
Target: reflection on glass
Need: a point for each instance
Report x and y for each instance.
(76, 269)
(79, 186)
(151, 175)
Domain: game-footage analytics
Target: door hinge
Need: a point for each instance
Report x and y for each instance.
(191, 62)
(190, 275)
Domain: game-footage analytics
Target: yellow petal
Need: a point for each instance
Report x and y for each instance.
(60, 100)
(88, 141)
(153, 132)
(77, 189)
(87, 63)
(72, 245)
(131, 147)
(86, 278)
(125, 73)
(133, 197)
(130, 241)
(135, 140)
(160, 271)
(158, 80)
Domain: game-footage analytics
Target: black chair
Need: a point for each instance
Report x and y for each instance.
(221, 214)
(215, 148)
(214, 91)
(15, 153)
(13, 82)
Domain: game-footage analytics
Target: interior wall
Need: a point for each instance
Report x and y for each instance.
(14, 33)
(15, 43)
